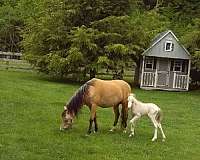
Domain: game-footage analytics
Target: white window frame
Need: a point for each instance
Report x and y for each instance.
(149, 61)
(171, 46)
(178, 62)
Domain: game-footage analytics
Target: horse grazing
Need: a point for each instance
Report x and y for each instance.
(139, 109)
(96, 92)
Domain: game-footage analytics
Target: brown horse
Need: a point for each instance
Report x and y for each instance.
(96, 92)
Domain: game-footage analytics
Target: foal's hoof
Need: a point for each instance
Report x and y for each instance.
(153, 139)
(131, 135)
(87, 135)
(112, 129)
(163, 139)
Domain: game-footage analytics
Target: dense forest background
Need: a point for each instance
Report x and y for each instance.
(62, 37)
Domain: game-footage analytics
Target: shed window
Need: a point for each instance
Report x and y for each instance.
(178, 65)
(169, 46)
(149, 63)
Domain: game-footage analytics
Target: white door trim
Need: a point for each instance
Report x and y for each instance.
(165, 72)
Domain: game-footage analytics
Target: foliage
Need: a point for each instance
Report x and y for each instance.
(10, 27)
(115, 39)
(192, 41)
(63, 30)
(76, 34)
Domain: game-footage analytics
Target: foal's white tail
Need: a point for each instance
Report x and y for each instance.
(159, 116)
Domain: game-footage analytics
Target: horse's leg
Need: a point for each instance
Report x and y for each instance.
(155, 123)
(116, 112)
(92, 116)
(124, 115)
(163, 135)
(133, 122)
(95, 123)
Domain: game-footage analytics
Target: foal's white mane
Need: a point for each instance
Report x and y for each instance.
(132, 98)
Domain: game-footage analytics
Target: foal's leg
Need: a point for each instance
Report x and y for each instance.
(160, 127)
(92, 116)
(116, 112)
(133, 122)
(155, 123)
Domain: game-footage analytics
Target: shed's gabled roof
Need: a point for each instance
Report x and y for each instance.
(159, 38)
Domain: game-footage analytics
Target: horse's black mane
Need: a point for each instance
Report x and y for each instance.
(76, 101)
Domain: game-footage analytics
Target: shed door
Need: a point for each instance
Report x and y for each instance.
(163, 73)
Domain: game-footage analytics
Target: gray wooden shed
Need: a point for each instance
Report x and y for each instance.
(165, 64)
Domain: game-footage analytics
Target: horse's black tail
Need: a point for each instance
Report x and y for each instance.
(77, 100)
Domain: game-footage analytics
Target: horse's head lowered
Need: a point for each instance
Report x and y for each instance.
(131, 99)
(67, 119)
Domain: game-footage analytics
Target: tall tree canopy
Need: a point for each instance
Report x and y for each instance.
(65, 37)
(61, 40)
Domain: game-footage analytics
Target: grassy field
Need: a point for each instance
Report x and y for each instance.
(15, 65)
(30, 108)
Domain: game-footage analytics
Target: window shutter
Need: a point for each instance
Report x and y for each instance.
(172, 46)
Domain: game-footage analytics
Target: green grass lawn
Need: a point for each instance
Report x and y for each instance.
(30, 108)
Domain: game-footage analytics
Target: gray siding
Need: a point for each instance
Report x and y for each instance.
(158, 49)
(171, 79)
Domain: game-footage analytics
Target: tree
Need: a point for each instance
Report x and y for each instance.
(191, 39)
(61, 33)
(46, 37)
(118, 40)
(150, 4)
(83, 43)
(10, 28)
(192, 42)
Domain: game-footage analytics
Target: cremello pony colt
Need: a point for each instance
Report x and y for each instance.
(139, 109)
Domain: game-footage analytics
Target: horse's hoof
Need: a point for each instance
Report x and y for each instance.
(124, 131)
(153, 140)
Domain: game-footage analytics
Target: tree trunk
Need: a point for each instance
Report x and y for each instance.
(92, 73)
(137, 74)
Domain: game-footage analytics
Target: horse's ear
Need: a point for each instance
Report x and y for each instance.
(65, 108)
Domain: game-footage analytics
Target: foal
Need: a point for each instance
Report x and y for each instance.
(139, 109)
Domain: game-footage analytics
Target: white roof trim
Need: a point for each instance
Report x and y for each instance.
(185, 50)
(162, 38)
